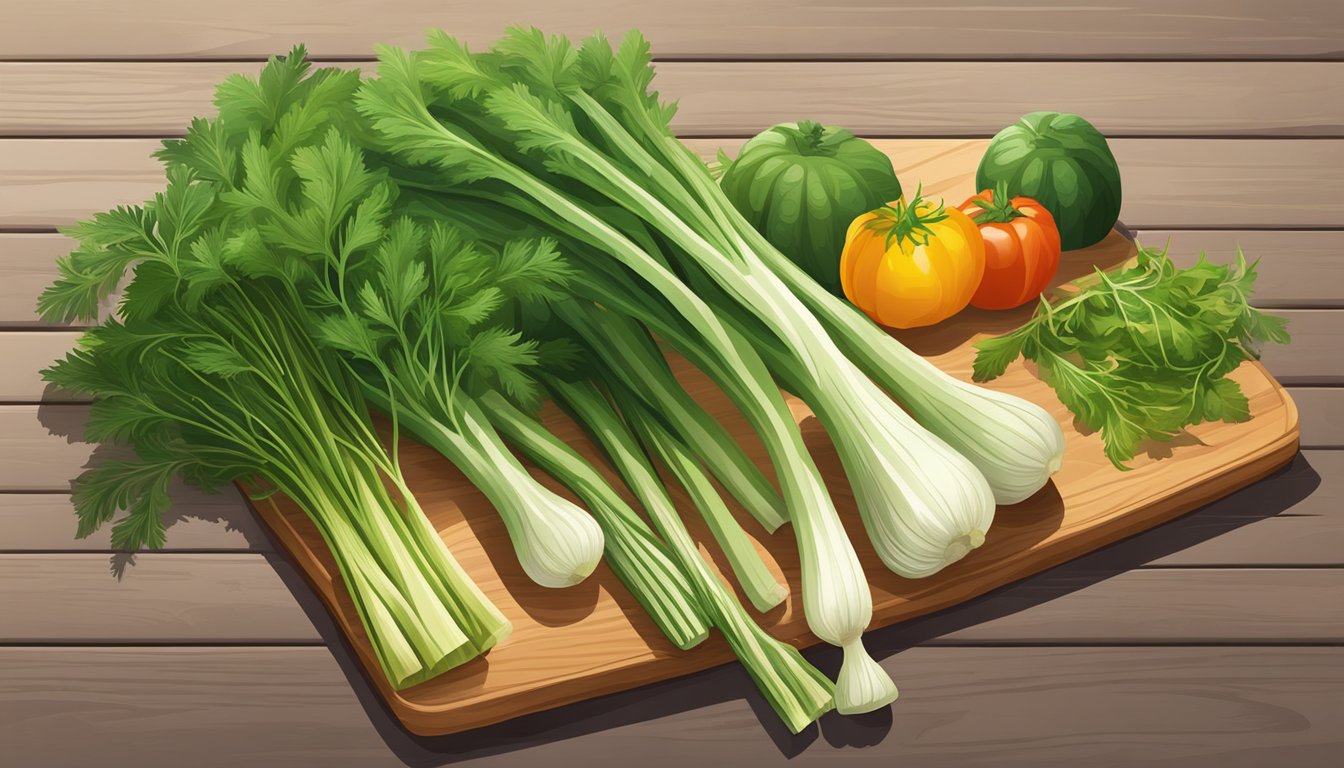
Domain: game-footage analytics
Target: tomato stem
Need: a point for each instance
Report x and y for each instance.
(904, 221)
(999, 209)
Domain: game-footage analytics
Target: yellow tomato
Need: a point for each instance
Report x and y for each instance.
(911, 265)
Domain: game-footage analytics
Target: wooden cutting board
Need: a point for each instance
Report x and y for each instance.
(578, 643)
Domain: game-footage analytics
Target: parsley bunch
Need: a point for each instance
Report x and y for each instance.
(279, 288)
(1144, 352)
(210, 372)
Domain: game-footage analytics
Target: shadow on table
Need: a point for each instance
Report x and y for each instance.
(225, 508)
(1267, 498)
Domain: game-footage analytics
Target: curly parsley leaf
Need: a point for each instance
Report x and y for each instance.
(1143, 352)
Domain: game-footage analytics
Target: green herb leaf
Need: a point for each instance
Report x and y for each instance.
(1142, 353)
(995, 354)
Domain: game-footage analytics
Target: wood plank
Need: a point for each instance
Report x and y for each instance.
(1297, 269)
(199, 521)
(1195, 605)
(867, 29)
(1233, 183)
(42, 446)
(1313, 356)
(1323, 416)
(160, 598)
(167, 598)
(1295, 517)
(959, 708)
(26, 354)
(741, 98)
(75, 707)
(1177, 183)
(37, 179)
(27, 267)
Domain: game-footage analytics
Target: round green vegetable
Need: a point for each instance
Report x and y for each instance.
(1062, 162)
(801, 184)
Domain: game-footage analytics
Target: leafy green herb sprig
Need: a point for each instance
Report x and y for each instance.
(1144, 352)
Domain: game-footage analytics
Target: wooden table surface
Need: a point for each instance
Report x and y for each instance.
(1214, 640)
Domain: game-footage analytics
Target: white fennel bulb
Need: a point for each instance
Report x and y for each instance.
(1015, 443)
(924, 505)
(557, 543)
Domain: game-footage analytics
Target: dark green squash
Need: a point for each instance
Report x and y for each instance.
(801, 184)
(1062, 162)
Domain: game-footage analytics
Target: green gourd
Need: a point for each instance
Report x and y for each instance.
(1062, 162)
(801, 184)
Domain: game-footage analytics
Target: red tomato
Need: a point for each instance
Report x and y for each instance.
(1021, 248)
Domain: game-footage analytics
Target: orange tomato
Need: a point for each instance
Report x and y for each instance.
(1021, 248)
(911, 265)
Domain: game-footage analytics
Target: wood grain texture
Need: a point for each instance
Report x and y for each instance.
(1180, 183)
(959, 708)
(596, 644)
(1123, 99)
(232, 597)
(34, 522)
(162, 598)
(26, 354)
(1313, 356)
(1292, 518)
(1195, 610)
(27, 266)
(37, 179)
(1324, 428)
(1297, 269)
(42, 446)
(865, 29)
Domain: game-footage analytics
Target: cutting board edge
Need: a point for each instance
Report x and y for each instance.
(1270, 457)
(431, 720)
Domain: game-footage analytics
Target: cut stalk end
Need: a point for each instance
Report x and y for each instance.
(766, 597)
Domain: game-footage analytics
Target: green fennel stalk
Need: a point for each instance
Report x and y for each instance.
(628, 354)
(797, 691)
(757, 582)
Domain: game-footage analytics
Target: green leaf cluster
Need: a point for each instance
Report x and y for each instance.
(1144, 352)
(431, 318)
(213, 367)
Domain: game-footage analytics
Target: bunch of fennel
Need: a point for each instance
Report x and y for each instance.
(486, 97)
(210, 373)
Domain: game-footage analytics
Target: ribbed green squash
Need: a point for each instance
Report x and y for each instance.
(801, 184)
(1062, 162)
